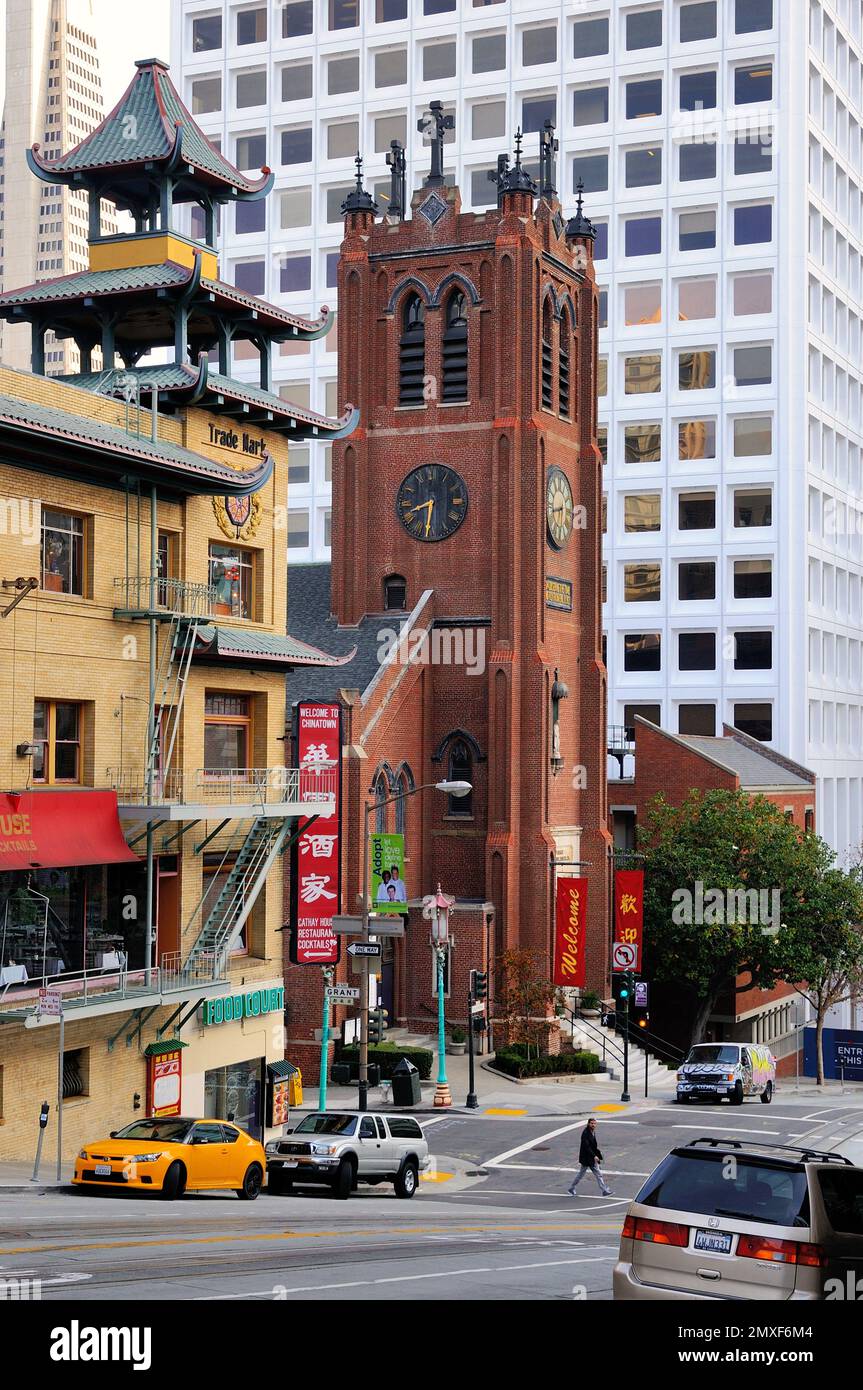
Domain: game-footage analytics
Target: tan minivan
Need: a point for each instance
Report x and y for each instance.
(724, 1219)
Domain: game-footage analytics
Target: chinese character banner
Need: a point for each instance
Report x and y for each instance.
(629, 907)
(316, 861)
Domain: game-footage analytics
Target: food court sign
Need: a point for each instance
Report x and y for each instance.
(231, 1008)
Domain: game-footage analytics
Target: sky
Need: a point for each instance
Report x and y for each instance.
(126, 30)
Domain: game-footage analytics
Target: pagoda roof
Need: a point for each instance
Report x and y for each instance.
(246, 646)
(182, 385)
(149, 132)
(108, 455)
(68, 300)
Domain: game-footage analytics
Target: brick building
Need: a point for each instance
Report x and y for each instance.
(466, 569)
(645, 762)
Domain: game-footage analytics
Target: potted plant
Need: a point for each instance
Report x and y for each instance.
(457, 1042)
(590, 1002)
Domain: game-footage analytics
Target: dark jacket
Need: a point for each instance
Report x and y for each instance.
(588, 1152)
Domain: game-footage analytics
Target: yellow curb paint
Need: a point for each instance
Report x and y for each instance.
(610, 1107)
(504, 1112)
(436, 1177)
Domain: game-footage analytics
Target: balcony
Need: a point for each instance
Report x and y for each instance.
(620, 762)
(145, 596)
(230, 794)
(109, 988)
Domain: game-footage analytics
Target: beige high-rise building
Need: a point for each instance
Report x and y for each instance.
(53, 97)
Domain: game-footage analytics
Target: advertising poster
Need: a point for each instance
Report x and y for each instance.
(164, 1083)
(570, 921)
(387, 873)
(316, 857)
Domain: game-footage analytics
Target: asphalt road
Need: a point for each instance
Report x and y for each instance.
(495, 1223)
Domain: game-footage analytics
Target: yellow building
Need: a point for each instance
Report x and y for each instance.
(142, 661)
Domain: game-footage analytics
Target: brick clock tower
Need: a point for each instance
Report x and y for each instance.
(471, 492)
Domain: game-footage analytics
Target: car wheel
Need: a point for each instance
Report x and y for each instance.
(344, 1180)
(767, 1094)
(252, 1183)
(681, 1100)
(278, 1184)
(406, 1180)
(737, 1098)
(174, 1182)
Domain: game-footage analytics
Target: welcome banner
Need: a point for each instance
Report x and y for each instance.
(569, 935)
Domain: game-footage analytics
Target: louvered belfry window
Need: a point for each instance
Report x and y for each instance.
(563, 364)
(412, 352)
(455, 349)
(547, 387)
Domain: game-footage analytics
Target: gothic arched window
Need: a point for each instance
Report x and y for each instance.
(405, 784)
(412, 352)
(563, 363)
(547, 395)
(395, 592)
(455, 348)
(460, 770)
(382, 791)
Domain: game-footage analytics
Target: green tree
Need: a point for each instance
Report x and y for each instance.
(523, 997)
(728, 840)
(826, 949)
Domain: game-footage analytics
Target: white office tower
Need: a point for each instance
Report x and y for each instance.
(53, 97)
(719, 142)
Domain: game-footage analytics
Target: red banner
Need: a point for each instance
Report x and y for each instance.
(570, 925)
(165, 1083)
(316, 861)
(629, 906)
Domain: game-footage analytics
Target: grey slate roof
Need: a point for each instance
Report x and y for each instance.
(310, 620)
(272, 648)
(753, 768)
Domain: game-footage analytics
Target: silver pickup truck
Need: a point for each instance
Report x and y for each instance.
(342, 1148)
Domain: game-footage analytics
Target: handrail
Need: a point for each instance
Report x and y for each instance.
(657, 1044)
(577, 1020)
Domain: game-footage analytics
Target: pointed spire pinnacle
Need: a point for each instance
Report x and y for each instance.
(515, 179)
(358, 200)
(580, 225)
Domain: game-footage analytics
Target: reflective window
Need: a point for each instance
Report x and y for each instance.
(297, 145)
(753, 84)
(753, 507)
(697, 719)
(344, 14)
(387, 11)
(643, 167)
(643, 375)
(592, 170)
(438, 6)
(642, 584)
(698, 21)
(753, 294)
(535, 111)
(642, 651)
(697, 231)
(250, 276)
(696, 439)
(757, 721)
(696, 299)
(643, 236)
(590, 38)
(343, 139)
(590, 105)
(642, 304)
(642, 512)
(695, 161)
(298, 530)
(752, 16)
(642, 441)
(297, 82)
(251, 26)
(600, 246)
(753, 651)
(696, 581)
(697, 91)
(206, 95)
(696, 651)
(539, 46)
(391, 68)
(251, 89)
(295, 207)
(753, 436)
(295, 273)
(250, 217)
(753, 578)
(696, 511)
(439, 61)
(488, 118)
(206, 33)
(651, 713)
(488, 53)
(644, 99)
(697, 370)
(753, 224)
(298, 19)
(753, 366)
(753, 154)
(387, 129)
(343, 75)
(251, 152)
(643, 29)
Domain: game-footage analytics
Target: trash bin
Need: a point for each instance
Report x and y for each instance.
(295, 1088)
(340, 1074)
(374, 1074)
(406, 1088)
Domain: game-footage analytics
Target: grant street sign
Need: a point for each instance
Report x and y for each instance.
(342, 994)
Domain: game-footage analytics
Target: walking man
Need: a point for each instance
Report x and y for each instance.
(589, 1156)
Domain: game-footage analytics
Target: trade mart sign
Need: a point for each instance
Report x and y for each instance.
(230, 1008)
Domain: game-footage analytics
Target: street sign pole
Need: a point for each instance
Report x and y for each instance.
(363, 1083)
(60, 1051)
(471, 1103)
(327, 973)
(626, 1096)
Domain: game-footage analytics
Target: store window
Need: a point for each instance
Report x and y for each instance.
(232, 573)
(696, 511)
(696, 231)
(391, 67)
(753, 579)
(642, 441)
(206, 33)
(644, 99)
(57, 728)
(298, 19)
(488, 53)
(696, 439)
(753, 436)
(698, 21)
(753, 507)
(590, 105)
(753, 651)
(696, 581)
(297, 82)
(539, 46)
(643, 374)
(237, 1091)
(590, 38)
(227, 732)
(251, 26)
(642, 583)
(206, 95)
(756, 720)
(62, 553)
(642, 651)
(696, 651)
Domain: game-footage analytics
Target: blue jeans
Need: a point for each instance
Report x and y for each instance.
(595, 1170)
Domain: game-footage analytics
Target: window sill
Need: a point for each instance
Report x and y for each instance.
(460, 820)
(404, 408)
(452, 405)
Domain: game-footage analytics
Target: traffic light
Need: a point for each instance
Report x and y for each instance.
(626, 987)
(377, 1025)
(479, 985)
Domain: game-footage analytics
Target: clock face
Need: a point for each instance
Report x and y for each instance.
(432, 502)
(558, 507)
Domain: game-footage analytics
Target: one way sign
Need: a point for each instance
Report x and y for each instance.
(364, 948)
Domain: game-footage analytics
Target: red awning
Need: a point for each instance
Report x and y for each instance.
(56, 830)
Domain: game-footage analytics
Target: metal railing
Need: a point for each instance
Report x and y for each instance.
(259, 786)
(142, 593)
(620, 739)
(80, 987)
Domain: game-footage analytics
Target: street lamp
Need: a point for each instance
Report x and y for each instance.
(458, 789)
(437, 909)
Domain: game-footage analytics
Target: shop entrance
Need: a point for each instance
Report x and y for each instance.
(237, 1091)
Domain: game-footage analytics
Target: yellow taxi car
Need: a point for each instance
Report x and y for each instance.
(175, 1155)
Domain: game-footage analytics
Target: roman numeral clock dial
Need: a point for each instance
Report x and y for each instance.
(558, 508)
(431, 502)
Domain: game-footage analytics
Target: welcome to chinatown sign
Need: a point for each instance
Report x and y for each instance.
(316, 857)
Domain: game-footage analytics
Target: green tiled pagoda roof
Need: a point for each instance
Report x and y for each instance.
(114, 453)
(149, 125)
(246, 644)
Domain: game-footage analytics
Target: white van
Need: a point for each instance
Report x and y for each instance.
(735, 1070)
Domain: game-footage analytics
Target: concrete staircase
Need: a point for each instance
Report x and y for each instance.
(589, 1039)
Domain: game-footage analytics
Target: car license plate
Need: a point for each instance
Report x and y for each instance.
(289, 1163)
(715, 1242)
(103, 1170)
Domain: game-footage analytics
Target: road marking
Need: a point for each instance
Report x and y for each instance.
(609, 1107)
(550, 1168)
(732, 1129)
(532, 1143)
(399, 1279)
(438, 1119)
(436, 1177)
(494, 1111)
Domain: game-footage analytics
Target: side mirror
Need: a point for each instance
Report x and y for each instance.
(114, 1133)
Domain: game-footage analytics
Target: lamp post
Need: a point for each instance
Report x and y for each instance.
(327, 972)
(449, 789)
(437, 909)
